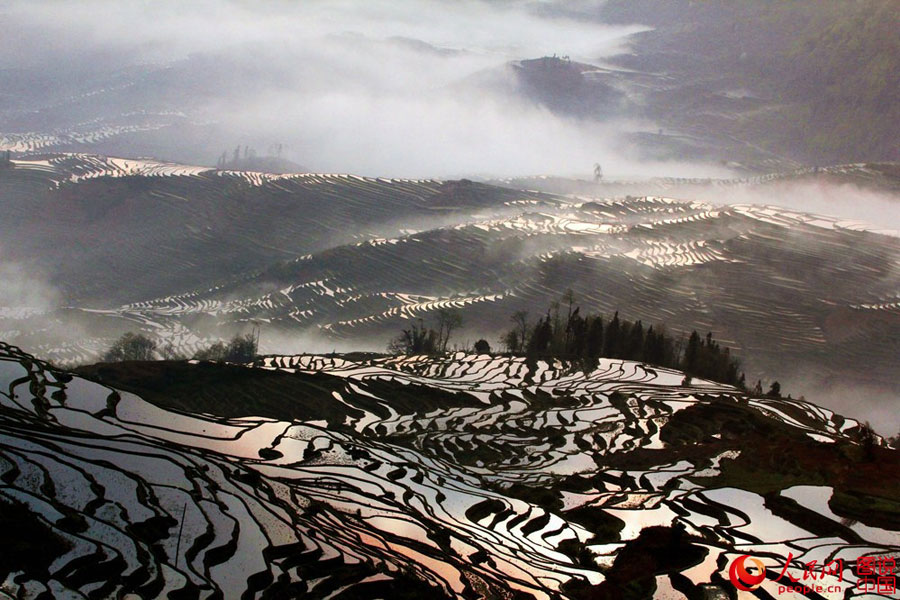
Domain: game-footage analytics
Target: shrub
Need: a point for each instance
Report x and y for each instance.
(482, 347)
(131, 346)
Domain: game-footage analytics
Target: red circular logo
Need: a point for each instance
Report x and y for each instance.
(742, 578)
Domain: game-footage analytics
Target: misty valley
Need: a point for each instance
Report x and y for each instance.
(475, 300)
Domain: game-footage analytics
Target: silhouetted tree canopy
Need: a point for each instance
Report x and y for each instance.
(241, 348)
(585, 338)
(416, 339)
(131, 346)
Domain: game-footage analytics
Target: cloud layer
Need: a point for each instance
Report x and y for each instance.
(377, 88)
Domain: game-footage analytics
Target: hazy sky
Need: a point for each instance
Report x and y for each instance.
(379, 88)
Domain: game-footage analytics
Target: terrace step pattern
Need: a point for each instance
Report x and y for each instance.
(155, 503)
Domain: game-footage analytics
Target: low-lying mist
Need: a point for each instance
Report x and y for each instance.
(879, 210)
(874, 404)
(31, 309)
(22, 292)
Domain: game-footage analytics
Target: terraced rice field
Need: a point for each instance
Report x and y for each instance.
(463, 476)
(347, 258)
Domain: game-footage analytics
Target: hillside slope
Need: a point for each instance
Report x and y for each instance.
(196, 225)
(465, 476)
(350, 260)
(813, 80)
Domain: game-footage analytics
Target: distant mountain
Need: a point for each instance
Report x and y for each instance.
(465, 476)
(812, 81)
(767, 85)
(564, 86)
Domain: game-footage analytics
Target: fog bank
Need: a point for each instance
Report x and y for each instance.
(405, 89)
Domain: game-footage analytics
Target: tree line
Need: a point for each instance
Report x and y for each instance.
(137, 346)
(418, 338)
(564, 333)
(567, 334)
(249, 153)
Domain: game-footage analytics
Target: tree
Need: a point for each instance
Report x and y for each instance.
(170, 352)
(611, 341)
(217, 351)
(556, 334)
(569, 299)
(635, 346)
(576, 334)
(417, 339)
(242, 348)
(869, 439)
(510, 340)
(131, 346)
(520, 321)
(774, 390)
(594, 346)
(540, 339)
(894, 442)
(482, 347)
(448, 320)
(692, 354)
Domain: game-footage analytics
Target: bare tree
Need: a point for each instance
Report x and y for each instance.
(569, 299)
(894, 442)
(448, 320)
(868, 439)
(520, 320)
(217, 351)
(170, 352)
(241, 348)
